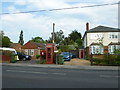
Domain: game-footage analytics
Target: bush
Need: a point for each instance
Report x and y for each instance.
(38, 61)
(110, 60)
(37, 56)
(43, 61)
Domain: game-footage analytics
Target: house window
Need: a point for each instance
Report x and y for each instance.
(112, 48)
(96, 49)
(29, 52)
(113, 35)
(96, 35)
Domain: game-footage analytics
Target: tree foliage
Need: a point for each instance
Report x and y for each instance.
(38, 40)
(74, 35)
(58, 37)
(5, 40)
(21, 41)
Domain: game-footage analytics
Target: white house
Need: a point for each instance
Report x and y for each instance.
(101, 40)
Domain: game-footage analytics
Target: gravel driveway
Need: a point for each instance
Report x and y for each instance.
(76, 61)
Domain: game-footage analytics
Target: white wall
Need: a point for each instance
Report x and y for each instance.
(93, 38)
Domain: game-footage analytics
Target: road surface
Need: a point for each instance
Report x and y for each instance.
(37, 77)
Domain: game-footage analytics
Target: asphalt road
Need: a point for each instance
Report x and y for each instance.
(36, 77)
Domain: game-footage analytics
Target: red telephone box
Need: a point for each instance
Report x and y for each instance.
(49, 53)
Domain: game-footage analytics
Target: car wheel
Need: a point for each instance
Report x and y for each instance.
(24, 59)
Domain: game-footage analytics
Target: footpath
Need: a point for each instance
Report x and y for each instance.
(81, 65)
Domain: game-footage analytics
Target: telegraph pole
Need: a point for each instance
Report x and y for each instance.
(53, 41)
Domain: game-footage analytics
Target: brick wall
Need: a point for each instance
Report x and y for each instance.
(5, 58)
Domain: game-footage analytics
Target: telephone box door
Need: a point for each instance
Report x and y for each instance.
(49, 53)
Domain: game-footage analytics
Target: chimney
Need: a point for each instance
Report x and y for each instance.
(87, 26)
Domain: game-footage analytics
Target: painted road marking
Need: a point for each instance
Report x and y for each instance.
(109, 76)
(36, 72)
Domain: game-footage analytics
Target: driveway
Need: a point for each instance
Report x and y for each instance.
(75, 61)
(79, 62)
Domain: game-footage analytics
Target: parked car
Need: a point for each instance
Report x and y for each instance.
(67, 56)
(22, 56)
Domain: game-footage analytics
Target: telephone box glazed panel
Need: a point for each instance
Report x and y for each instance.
(49, 53)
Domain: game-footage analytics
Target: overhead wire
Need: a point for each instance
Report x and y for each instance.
(58, 9)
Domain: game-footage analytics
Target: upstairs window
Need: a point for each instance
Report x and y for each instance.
(113, 35)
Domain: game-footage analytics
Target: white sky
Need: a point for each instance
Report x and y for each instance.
(40, 24)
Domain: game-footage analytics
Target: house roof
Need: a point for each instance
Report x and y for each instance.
(96, 44)
(15, 44)
(114, 43)
(102, 29)
(40, 45)
(33, 45)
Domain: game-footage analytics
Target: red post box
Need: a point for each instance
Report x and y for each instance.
(49, 53)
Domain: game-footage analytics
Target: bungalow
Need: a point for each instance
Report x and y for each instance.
(100, 40)
(16, 46)
(33, 48)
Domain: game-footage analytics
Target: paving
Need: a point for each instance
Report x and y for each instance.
(78, 62)
(73, 64)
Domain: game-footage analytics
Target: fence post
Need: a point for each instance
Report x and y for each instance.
(91, 59)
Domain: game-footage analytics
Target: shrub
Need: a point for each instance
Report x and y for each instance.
(43, 61)
(38, 61)
(37, 56)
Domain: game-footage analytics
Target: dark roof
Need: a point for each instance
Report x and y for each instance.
(40, 45)
(96, 44)
(104, 29)
(112, 43)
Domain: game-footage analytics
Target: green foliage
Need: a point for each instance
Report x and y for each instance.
(21, 41)
(58, 36)
(43, 61)
(64, 48)
(6, 41)
(108, 60)
(37, 56)
(79, 42)
(38, 40)
(117, 51)
(75, 35)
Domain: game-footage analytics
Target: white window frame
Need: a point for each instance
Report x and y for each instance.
(94, 36)
(113, 35)
(29, 52)
(96, 49)
(111, 48)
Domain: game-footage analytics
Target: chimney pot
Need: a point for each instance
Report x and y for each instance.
(87, 26)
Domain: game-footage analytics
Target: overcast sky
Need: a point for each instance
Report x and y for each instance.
(40, 23)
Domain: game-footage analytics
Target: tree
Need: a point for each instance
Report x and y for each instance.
(74, 35)
(38, 40)
(79, 42)
(58, 36)
(5, 40)
(21, 41)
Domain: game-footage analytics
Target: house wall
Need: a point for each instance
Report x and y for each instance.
(100, 56)
(106, 39)
(36, 52)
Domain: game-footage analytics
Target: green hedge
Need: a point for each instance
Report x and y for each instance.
(108, 60)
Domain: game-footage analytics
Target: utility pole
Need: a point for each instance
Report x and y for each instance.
(53, 41)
